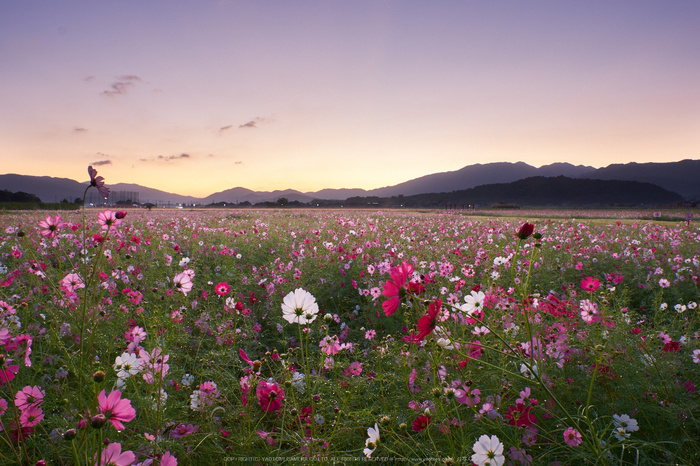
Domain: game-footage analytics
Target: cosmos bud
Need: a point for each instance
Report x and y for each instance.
(525, 230)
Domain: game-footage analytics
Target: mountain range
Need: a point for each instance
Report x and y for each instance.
(681, 177)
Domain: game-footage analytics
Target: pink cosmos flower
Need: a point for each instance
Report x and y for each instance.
(98, 182)
(353, 370)
(51, 225)
(467, 396)
(183, 283)
(3, 406)
(270, 396)
(168, 460)
(115, 409)
(109, 220)
(268, 438)
(154, 364)
(112, 455)
(31, 416)
(28, 397)
(572, 437)
(72, 282)
(183, 430)
(245, 388)
(696, 356)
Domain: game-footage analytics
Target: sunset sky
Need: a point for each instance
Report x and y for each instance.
(195, 97)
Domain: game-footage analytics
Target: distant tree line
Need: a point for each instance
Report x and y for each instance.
(25, 201)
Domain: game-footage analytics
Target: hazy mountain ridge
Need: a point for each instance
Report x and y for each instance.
(477, 175)
(679, 177)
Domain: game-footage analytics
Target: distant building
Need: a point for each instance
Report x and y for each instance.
(115, 197)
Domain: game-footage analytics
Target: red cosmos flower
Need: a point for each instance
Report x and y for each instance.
(395, 287)
(520, 416)
(427, 323)
(672, 346)
(590, 284)
(421, 423)
(270, 396)
(525, 230)
(222, 289)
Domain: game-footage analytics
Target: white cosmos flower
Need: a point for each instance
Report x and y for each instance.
(373, 439)
(474, 302)
(625, 422)
(488, 451)
(299, 307)
(298, 381)
(126, 365)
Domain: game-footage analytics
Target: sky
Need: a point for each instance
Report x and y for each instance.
(196, 97)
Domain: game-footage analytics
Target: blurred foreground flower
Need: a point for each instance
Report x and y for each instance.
(98, 182)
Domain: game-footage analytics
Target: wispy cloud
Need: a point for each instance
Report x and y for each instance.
(173, 157)
(224, 128)
(255, 121)
(101, 162)
(124, 83)
(78, 129)
(238, 162)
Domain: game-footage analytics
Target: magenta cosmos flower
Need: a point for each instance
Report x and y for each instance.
(98, 182)
(395, 287)
(112, 455)
(115, 409)
(51, 225)
(222, 288)
(270, 396)
(590, 284)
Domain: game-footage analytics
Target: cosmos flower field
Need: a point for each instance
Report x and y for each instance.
(264, 337)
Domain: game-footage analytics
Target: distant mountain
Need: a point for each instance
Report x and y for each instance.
(679, 177)
(47, 188)
(538, 191)
(477, 175)
(237, 195)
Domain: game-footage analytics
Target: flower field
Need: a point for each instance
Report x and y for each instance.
(265, 337)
